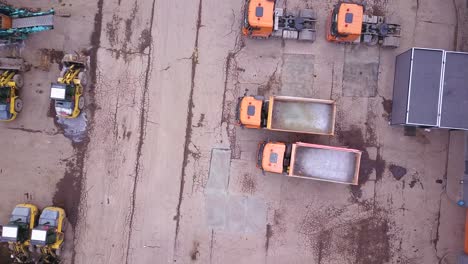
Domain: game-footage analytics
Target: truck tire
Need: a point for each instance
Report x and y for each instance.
(308, 13)
(307, 35)
(18, 79)
(18, 105)
(81, 103)
(83, 77)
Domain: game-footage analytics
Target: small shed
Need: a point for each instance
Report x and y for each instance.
(430, 89)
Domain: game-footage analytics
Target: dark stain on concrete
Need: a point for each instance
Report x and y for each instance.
(397, 171)
(369, 240)
(268, 235)
(145, 40)
(323, 245)
(248, 184)
(195, 252)
(387, 105)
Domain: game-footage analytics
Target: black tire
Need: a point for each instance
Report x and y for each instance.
(18, 79)
(83, 77)
(18, 105)
(81, 103)
(64, 225)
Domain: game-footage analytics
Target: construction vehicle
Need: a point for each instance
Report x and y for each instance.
(262, 19)
(48, 236)
(286, 113)
(68, 90)
(347, 23)
(17, 23)
(310, 161)
(11, 81)
(18, 230)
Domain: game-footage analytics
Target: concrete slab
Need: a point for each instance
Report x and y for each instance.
(297, 75)
(361, 71)
(218, 179)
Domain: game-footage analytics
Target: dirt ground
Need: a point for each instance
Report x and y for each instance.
(156, 171)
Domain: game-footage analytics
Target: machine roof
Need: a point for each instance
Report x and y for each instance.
(260, 13)
(350, 17)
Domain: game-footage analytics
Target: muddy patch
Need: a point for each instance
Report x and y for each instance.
(358, 234)
(49, 56)
(397, 171)
(387, 107)
(4, 253)
(68, 189)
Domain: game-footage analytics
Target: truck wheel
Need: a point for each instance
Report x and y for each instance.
(83, 77)
(308, 13)
(18, 105)
(18, 79)
(307, 35)
(81, 103)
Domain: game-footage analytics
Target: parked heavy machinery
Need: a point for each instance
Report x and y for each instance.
(347, 23)
(262, 19)
(17, 23)
(68, 90)
(11, 81)
(48, 236)
(18, 230)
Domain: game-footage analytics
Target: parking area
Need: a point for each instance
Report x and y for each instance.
(162, 170)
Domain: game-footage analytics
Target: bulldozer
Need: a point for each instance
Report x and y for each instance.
(262, 19)
(11, 81)
(347, 23)
(48, 236)
(17, 23)
(68, 90)
(17, 232)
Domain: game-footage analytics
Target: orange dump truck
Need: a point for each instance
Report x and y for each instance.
(310, 161)
(290, 114)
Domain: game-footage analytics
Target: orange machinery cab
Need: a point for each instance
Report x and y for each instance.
(271, 156)
(345, 23)
(5, 22)
(259, 18)
(250, 112)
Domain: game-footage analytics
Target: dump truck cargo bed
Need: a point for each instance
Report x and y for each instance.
(325, 163)
(301, 115)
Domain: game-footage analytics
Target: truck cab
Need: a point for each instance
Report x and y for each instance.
(259, 18)
(252, 111)
(274, 157)
(345, 23)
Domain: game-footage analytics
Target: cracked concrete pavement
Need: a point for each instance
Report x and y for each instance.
(165, 175)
